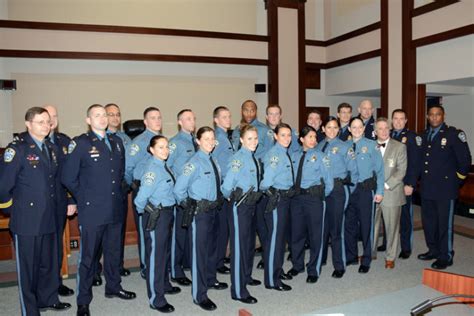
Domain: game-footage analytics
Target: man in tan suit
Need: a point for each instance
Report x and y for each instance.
(395, 165)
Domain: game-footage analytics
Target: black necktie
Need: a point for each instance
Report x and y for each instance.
(257, 165)
(170, 173)
(218, 180)
(324, 147)
(299, 173)
(430, 135)
(229, 137)
(195, 144)
(44, 150)
(291, 165)
(354, 146)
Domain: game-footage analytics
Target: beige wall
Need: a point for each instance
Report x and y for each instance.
(238, 16)
(74, 93)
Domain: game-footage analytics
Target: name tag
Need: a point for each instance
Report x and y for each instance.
(95, 155)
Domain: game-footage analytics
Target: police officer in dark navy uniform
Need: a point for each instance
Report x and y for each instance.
(401, 133)
(182, 147)
(65, 203)
(135, 159)
(155, 200)
(28, 191)
(199, 185)
(223, 152)
(344, 115)
(366, 111)
(315, 120)
(445, 163)
(93, 173)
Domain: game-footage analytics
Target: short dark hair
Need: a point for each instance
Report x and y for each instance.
(356, 118)
(439, 106)
(110, 105)
(281, 126)
(153, 141)
(247, 101)
(274, 105)
(203, 130)
(32, 112)
(399, 111)
(150, 109)
(218, 110)
(315, 111)
(93, 106)
(343, 105)
(178, 116)
(306, 130)
(330, 119)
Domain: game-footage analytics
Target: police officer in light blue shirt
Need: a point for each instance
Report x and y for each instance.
(369, 190)
(278, 180)
(135, 160)
(199, 183)
(312, 183)
(182, 147)
(344, 172)
(156, 191)
(222, 153)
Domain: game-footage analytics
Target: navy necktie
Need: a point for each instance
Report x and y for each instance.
(299, 173)
(292, 170)
(216, 174)
(257, 165)
(170, 173)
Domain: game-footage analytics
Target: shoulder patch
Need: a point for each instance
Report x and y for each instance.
(149, 178)
(188, 169)
(134, 149)
(172, 147)
(462, 136)
(9, 154)
(274, 161)
(71, 147)
(236, 165)
(418, 140)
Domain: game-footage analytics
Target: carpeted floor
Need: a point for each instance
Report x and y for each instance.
(327, 294)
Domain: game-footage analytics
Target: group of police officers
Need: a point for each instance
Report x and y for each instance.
(202, 190)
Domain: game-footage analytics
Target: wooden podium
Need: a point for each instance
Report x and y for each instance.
(449, 283)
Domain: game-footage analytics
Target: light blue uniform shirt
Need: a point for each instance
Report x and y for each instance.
(126, 140)
(341, 156)
(223, 151)
(277, 169)
(181, 149)
(242, 173)
(156, 186)
(197, 180)
(265, 140)
(137, 155)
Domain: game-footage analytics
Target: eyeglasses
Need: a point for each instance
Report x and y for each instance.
(42, 122)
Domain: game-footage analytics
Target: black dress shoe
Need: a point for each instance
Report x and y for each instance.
(364, 269)
(404, 254)
(223, 270)
(227, 260)
(168, 308)
(83, 310)
(219, 286)
(282, 287)
(381, 248)
(65, 291)
(173, 290)
(441, 264)
(184, 281)
(254, 282)
(247, 300)
(285, 276)
(97, 281)
(124, 295)
(260, 264)
(311, 279)
(338, 274)
(426, 256)
(124, 272)
(293, 272)
(207, 305)
(59, 306)
(352, 262)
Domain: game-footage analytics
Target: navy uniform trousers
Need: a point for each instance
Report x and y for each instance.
(180, 246)
(36, 260)
(336, 205)
(259, 223)
(274, 249)
(203, 235)
(156, 253)
(93, 239)
(242, 247)
(360, 219)
(406, 225)
(222, 219)
(141, 234)
(307, 222)
(437, 219)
